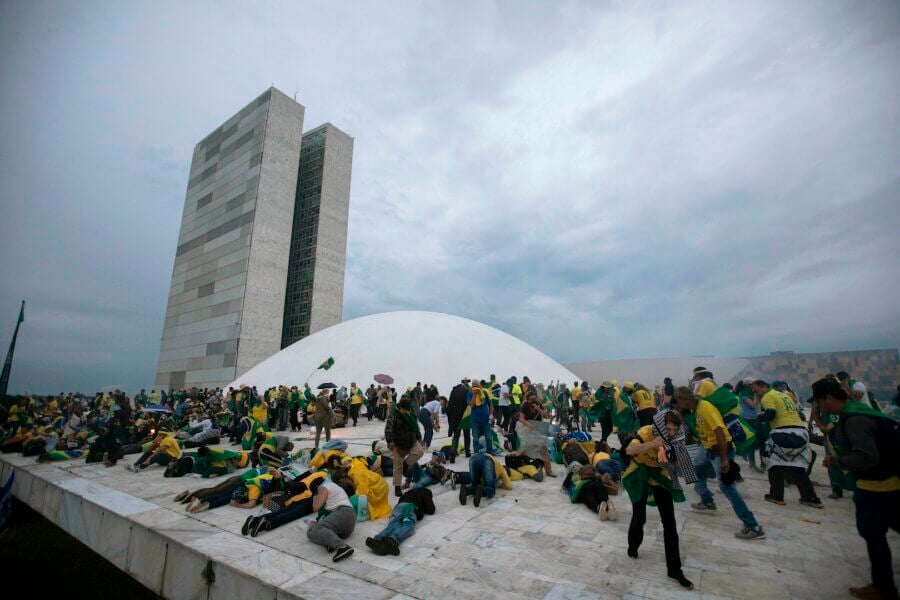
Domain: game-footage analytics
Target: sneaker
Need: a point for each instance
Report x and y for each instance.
(453, 477)
(463, 494)
(131, 468)
(632, 553)
(774, 500)
(398, 491)
(539, 476)
(182, 496)
(704, 507)
(248, 524)
(601, 510)
(836, 495)
(476, 495)
(684, 581)
(751, 534)
(611, 514)
(259, 526)
(377, 546)
(815, 503)
(342, 553)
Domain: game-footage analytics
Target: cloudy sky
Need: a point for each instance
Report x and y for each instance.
(603, 180)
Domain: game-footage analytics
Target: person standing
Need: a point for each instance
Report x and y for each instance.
(356, 402)
(503, 404)
(604, 404)
(867, 444)
(718, 450)
(324, 416)
(457, 421)
(481, 416)
(371, 401)
(750, 412)
(787, 446)
(402, 434)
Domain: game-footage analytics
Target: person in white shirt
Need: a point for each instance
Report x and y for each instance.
(340, 521)
(505, 411)
(429, 417)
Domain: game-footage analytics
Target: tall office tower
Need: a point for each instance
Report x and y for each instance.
(315, 285)
(227, 298)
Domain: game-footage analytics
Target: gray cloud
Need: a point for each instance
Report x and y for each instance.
(700, 178)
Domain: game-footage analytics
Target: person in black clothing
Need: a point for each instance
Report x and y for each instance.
(456, 407)
(411, 508)
(867, 445)
(401, 432)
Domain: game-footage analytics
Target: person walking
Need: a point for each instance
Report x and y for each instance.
(401, 432)
(324, 416)
(644, 476)
(867, 444)
(481, 416)
(718, 450)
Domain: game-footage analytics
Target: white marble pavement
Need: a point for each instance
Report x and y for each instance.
(526, 543)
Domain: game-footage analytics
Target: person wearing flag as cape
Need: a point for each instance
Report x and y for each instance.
(867, 445)
(718, 450)
(645, 476)
(623, 417)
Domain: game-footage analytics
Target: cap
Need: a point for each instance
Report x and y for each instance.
(748, 380)
(607, 384)
(628, 384)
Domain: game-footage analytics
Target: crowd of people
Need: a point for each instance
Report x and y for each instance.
(651, 442)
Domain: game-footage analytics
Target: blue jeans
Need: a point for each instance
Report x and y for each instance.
(398, 528)
(424, 479)
(584, 420)
(610, 466)
(425, 420)
(730, 491)
(481, 470)
(482, 429)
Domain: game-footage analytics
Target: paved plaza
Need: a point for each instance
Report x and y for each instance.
(526, 543)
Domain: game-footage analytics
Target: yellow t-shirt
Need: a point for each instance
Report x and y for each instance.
(356, 396)
(170, 446)
(643, 399)
(503, 480)
(707, 387)
(260, 413)
(708, 420)
(786, 414)
(598, 456)
(647, 457)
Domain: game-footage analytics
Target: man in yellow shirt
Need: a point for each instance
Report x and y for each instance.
(356, 402)
(644, 404)
(787, 446)
(718, 451)
(164, 450)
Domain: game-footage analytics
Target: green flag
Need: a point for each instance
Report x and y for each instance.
(327, 364)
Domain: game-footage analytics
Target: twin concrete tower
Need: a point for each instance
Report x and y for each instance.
(262, 246)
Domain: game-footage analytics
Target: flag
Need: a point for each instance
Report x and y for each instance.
(7, 366)
(327, 364)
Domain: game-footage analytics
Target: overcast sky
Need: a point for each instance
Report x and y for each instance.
(602, 180)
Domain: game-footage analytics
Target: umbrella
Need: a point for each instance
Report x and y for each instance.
(326, 386)
(384, 379)
(156, 408)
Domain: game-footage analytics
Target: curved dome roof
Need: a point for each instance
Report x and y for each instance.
(410, 346)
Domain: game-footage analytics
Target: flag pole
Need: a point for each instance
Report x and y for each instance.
(7, 366)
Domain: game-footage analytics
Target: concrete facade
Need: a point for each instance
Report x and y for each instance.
(315, 286)
(226, 298)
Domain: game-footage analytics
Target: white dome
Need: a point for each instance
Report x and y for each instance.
(409, 346)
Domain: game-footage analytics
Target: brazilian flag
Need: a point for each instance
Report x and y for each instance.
(727, 403)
